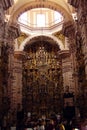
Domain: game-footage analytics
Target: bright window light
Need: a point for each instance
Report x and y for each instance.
(23, 18)
(40, 20)
(57, 17)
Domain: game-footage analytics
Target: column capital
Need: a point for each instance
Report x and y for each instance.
(7, 4)
(14, 30)
(20, 55)
(64, 54)
(68, 28)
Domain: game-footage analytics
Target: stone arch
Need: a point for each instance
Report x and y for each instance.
(53, 39)
(38, 4)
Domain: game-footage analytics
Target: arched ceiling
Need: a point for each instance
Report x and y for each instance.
(21, 6)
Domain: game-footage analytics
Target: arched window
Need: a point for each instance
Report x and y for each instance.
(40, 17)
(40, 20)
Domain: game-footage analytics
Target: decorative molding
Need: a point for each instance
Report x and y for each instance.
(42, 4)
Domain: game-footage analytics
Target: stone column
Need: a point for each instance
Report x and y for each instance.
(4, 5)
(4, 99)
(81, 43)
(82, 19)
(67, 71)
(18, 66)
(82, 25)
(81, 6)
(12, 33)
(69, 31)
(1, 42)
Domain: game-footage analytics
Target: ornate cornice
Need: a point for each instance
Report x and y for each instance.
(68, 28)
(7, 4)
